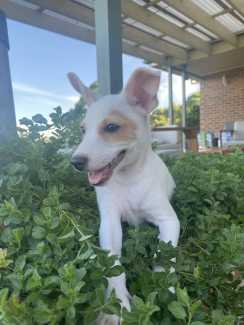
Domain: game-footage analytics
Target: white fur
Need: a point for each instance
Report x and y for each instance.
(139, 189)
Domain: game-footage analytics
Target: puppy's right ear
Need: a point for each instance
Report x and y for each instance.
(142, 88)
(85, 92)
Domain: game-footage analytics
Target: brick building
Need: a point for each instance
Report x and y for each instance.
(222, 99)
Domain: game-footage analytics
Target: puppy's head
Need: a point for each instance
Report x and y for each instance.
(115, 129)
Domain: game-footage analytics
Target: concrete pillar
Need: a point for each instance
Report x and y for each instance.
(7, 111)
(109, 45)
(170, 95)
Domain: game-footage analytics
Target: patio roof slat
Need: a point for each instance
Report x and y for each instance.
(86, 16)
(239, 6)
(231, 22)
(138, 13)
(148, 36)
(135, 35)
(194, 12)
(37, 19)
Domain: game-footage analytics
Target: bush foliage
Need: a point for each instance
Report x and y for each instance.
(53, 272)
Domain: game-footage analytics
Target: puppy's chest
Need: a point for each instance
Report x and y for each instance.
(131, 200)
(131, 204)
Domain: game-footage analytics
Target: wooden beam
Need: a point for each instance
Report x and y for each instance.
(142, 53)
(217, 63)
(69, 9)
(139, 14)
(86, 16)
(166, 49)
(52, 24)
(189, 9)
(218, 48)
(239, 5)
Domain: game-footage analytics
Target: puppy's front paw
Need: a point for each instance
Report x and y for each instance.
(105, 319)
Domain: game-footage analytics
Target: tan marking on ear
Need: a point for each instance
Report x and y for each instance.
(126, 133)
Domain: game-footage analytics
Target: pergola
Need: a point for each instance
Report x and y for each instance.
(189, 37)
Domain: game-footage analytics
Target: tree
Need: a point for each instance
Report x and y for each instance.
(193, 110)
(159, 116)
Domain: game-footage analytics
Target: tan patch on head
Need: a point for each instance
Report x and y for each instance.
(126, 132)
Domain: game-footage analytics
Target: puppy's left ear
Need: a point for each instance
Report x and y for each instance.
(142, 88)
(85, 92)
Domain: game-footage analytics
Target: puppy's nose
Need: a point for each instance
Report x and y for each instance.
(79, 162)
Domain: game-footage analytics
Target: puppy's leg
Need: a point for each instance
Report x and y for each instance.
(111, 239)
(169, 227)
(169, 230)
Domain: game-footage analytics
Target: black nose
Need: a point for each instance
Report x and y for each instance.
(79, 162)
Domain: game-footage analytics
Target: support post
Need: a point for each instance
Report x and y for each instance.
(7, 111)
(183, 116)
(109, 45)
(170, 95)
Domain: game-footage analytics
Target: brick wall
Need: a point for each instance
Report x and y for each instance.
(222, 100)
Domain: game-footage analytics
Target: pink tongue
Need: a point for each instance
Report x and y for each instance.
(98, 177)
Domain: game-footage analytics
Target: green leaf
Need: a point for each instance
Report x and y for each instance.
(152, 297)
(26, 121)
(177, 309)
(20, 262)
(41, 313)
(34, 282)
(69, 235)
(115, 271)
(38, 232)
(3, 296)
(4, 261)
(38, 118)
(195, 306)
(70, 314)
(51, 280)
(183, 296)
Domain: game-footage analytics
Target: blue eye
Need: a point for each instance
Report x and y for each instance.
(111, 128)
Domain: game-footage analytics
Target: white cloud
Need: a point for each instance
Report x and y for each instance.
(33, 91)
(73, 99)
(31, 100)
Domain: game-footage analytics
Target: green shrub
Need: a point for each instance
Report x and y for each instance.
(53, 272)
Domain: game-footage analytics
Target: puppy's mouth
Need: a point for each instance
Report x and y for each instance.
(102, 175)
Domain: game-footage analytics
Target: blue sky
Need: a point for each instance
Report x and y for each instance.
(40, 60)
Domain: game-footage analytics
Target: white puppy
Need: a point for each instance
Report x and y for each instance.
(131, 182)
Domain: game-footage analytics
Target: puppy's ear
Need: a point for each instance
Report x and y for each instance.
(77, 84)
(142, 89)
